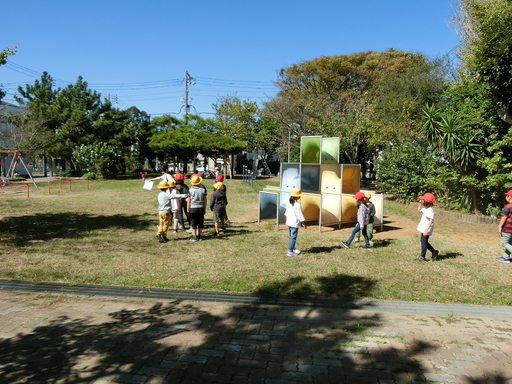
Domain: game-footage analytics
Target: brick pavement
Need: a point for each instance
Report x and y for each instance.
(47, 338)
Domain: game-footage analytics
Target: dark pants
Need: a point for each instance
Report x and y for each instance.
(183, 211)
(197, 218)
(425, 245)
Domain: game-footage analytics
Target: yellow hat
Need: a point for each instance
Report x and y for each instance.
(196, 180)
(368, 195)
(295, 192)
(218, 185)
(163, 185)
(171, 183)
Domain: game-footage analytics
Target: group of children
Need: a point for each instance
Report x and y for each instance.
(176, 197)
(177, 200)
(365, 215)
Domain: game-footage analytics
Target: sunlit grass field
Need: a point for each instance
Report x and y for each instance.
(106, 235)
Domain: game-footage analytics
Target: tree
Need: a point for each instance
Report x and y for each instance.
(471, 137)
(134, 137)
(485, 27)
(39, 120)
(348, 96)
(80, 110)
(3, 59)
(408, 169)
(183, 139)
(241, 120)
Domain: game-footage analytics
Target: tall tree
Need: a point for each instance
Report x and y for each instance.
(79, 110)
(40, 119)
(485, 27)
(326, 95)
(241, 119)
(365, 99)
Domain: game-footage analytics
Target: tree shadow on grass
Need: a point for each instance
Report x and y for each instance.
(175, 342)
(46, 227)
(339, 285)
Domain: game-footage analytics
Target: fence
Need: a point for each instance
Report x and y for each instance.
(68, 180)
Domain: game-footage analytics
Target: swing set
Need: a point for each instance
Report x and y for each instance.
(16, 158)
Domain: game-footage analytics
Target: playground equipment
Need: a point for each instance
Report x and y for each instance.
(327, 186)
(16, 159)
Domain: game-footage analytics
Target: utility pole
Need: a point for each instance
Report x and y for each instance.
(189, 80)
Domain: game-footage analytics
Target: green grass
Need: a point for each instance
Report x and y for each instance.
(106, 235)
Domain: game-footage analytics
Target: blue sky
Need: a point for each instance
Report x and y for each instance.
(139, 50)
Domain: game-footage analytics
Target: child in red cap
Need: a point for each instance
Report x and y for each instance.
(505, 228)
(426, 225)
(363, 217)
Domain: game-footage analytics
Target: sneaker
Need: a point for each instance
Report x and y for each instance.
(160, 239)
(217, 234)
(193, 238)
(371, 243)
(288, 253)
(296, 251)
(420, 259)
(165, 239)
(345, 244)
(189, 230)
(180, 227)
(199, 237)
(174, 231)
(356, 240)
(503, 260)
(436, 254)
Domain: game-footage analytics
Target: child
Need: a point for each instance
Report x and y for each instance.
(196, 205)
(183, 189)
(175, 205)
(166, 176)
(369, 226)
(218, 203)
(164, 205)
(363, 216)
(426, 225)
(505, 228)
(221, 179)
(294, 220)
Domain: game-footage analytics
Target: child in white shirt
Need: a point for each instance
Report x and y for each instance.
(294, 220)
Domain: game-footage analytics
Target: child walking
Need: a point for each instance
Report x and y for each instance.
(218, 202)
(505, 228)
(426, 226)
(369, 226)
(294, 220)
(363, 216)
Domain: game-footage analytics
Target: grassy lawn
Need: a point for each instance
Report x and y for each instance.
(106, 235)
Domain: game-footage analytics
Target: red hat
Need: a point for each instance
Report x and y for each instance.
(359, 196)
(179, 176)
(219, 178)
(428, 197)
(509, 193)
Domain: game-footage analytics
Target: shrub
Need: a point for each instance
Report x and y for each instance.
(89, 175)
(407, 170)
(99, 158)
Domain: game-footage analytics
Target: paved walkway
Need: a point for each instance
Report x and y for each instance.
(74, 334)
